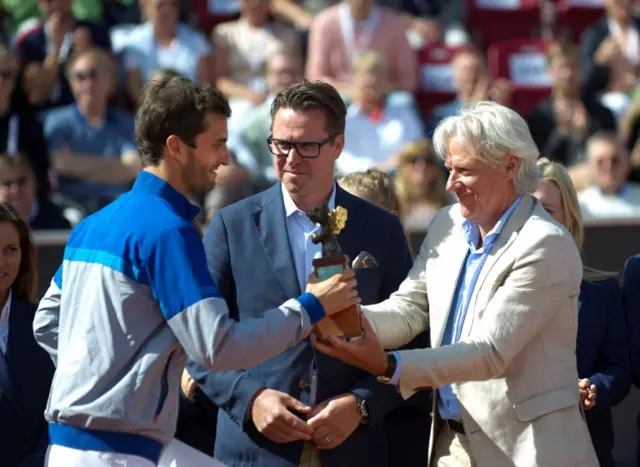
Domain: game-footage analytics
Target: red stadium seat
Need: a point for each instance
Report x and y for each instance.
(524, 63)
(574, 16)
(436, 76)
(493, 21)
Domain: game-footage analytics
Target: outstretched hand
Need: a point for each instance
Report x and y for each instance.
(365, 353)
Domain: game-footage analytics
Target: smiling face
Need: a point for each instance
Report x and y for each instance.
(202, 161)
(484, 192)
(10, 255)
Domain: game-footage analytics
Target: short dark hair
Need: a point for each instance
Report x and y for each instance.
(25, 286)
(173, 105)
(314, 95)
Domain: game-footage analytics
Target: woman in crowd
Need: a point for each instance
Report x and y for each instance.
(25, 369)
(602, 348)
(420, 185)
(20, 130)
(241, 48)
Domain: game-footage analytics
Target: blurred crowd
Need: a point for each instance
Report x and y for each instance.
(71, 73)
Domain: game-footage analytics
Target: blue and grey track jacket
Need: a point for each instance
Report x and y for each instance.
(132, 299)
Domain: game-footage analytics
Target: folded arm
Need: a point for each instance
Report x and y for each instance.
(538, 286)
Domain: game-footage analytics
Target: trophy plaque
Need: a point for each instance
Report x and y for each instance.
(346, 323)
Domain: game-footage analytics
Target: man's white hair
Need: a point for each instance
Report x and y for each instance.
(491, 132)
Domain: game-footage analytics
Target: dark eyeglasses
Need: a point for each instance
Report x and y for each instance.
(306, 149)
(6, 74)
(91, 73)
(20, 181)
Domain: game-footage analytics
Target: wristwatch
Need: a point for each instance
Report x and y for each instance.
(392, 364)
(361, 408)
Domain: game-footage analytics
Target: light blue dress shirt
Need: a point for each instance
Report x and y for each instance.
(304, 251)
(476, 257)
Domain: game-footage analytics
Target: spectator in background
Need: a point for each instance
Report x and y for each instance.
(610, 46)
(26, 370)
(374, 186)
(18, 187)
(472, 83)
(242, 48)
(561, 124)
(164, 42)
(602, 343)
(92, 145)
(284, 68)
(20, 130)
(377, 129)
(343, 32)
(610, 195)
(45, 50)
(420, 185)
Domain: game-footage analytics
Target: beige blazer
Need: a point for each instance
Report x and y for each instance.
(514, 370)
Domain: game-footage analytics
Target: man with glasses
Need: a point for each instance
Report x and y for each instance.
(299, 408)
(92, 145)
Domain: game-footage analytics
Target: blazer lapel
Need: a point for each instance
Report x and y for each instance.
(350, 237)
(270, 222)
(454, 252)
(504, 241)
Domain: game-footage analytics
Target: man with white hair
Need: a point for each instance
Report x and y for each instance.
(496, 282)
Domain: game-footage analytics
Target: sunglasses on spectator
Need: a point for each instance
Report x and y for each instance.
(305, 149)
(20, 181)
(91, 73)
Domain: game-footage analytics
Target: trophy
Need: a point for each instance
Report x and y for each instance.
(346, 323)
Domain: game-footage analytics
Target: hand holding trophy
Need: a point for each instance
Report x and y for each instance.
(346, 323)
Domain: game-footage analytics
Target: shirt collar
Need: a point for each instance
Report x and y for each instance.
(6, 309)
(109, 116)
(149, 183)
(290, 207)
(472, 231)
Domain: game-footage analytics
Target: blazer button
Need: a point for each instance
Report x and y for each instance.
(302, 384)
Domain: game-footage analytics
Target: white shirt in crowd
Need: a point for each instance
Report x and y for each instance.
(143, 53)
(369, 141)
(596, 205)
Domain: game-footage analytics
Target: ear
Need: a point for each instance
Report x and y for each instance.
(512, 164)
(176, 149)
(338, 145)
